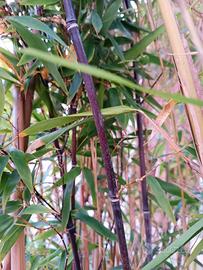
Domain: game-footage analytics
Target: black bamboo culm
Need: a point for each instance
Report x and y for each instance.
(74, 33)
(145, 204)
(70, 226)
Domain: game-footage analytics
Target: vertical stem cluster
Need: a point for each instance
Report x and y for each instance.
(70, 226)
(22, 115)
(73, 30)
(145, 204)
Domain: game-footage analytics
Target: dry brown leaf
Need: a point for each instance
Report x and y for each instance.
(162, 116)
(71, 54)
(35, 145)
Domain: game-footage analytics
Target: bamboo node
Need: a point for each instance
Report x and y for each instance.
(72, 25)
(114, 200)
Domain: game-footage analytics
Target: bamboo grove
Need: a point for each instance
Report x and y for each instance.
(101, 134)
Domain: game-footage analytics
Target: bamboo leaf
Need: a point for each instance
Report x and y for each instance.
(38, 2)
(140, 46)
(36, 209)
(174, 190)
(34, 41)
(95, 225)
(102, 74)
(4, 74)
(19, 160)
(8, 183)
(33, 23)
(3, 163)
(65, 120)
(96, 21)
(161, 197)
(110, 14)
(178, 243)
(11, 236)
(67, 203)
(5, 222)
(90, 180)
(72, 174)
(2, 98)
(194, 253)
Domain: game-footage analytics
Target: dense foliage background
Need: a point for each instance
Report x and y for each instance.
(141, 54)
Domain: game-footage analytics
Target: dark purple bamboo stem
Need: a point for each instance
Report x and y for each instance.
(70, 226)
(73, 30)
(145, 204)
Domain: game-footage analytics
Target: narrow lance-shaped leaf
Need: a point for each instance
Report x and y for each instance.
(11, 236)
(161, 197)
(34, 41)
(110, 14)
(96, 21)
(64, 120)
(36, 209)
(67, 178)
(19, 160)
(2, 98)
(67, 203)
(140, 46)
(33, 23)
(90, 180)
(38, 2)
(9, 182)
(178, 243)
(95, 225)
(3, 163)
(102, 74)
(194, 253)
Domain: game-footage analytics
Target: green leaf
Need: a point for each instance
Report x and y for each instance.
(2, 98)
(100, 7)
(46, 261)
(67, 203)
(96, 21)
(4, 74)
(11, 57)
(110, 14)
(90, 180)
(102, 74)
(140, 46)
(72, 174)
(64, 120)
(33, 23)
(38, 2)
(161, 197)
(36, 209)
(178, 243)
(194, 254)
(11, 236)
(3, 163)
(19, 160)
(34, 41)
(174, 190)
(9, 182)
(46, 234)
(5, 222)
(95, 225)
